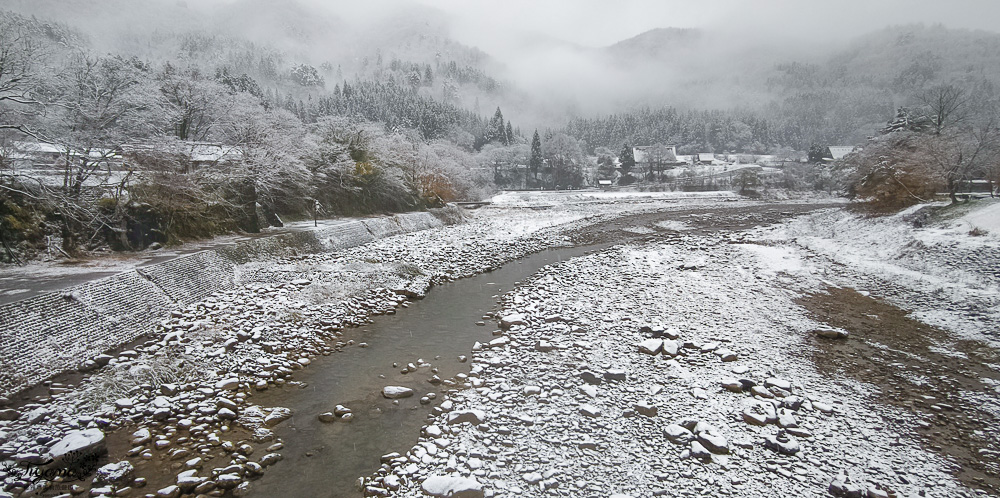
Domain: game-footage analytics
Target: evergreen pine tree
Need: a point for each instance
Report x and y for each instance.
(509, 134)
(536, 156)
(626, 159)
(496, 130)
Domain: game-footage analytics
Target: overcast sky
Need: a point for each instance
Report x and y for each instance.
(603, 22)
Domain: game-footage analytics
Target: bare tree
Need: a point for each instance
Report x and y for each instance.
(658, 156)
(19, 54)
(197, 103)
(271, 144)
(960, 156)
(947, 106)
(566, 159)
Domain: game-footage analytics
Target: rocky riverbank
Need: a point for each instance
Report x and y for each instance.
(681, 363)
(174, 414)
(683, 367)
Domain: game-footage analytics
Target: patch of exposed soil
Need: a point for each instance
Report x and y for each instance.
(919, 369)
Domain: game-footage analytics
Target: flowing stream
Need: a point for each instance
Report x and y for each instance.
(326, 459)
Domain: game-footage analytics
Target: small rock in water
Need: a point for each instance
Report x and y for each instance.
(511, 320)
(396, 392)
(277, 416)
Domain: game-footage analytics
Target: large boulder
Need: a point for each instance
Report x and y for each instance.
(78, 448)
(452, 486)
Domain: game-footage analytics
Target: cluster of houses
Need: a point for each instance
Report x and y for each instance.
(49, 163)
(664, 162)
(656, 155)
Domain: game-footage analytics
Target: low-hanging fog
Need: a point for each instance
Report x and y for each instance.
(555, 59)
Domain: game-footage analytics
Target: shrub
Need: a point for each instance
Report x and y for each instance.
(893, 172)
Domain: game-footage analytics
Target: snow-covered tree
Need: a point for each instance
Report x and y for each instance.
(535, 162)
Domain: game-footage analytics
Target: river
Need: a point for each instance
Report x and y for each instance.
(326, 459)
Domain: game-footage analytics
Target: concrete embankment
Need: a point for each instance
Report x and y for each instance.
(61, 330)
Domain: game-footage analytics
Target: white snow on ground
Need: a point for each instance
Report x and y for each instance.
(673, 225)
(530, 198)
(942, 262)
(549, 432)
(774, 259)
(987, 218)
(505, 226)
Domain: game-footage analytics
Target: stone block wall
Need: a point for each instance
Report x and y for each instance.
(56, 331)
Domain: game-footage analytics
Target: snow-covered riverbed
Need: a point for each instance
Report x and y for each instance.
(564, 402)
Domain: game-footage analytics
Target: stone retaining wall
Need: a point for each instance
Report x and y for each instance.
(56, 331)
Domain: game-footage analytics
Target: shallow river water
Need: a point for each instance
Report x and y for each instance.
(325, 460)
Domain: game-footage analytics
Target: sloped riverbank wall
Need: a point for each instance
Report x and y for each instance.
(56, 331)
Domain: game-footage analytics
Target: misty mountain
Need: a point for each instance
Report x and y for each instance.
(661, 44)
(829, 92)
(756, 98)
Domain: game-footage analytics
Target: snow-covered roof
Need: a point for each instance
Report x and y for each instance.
(706, 156)
(199, 152)
(641, 152)
(101, 153)
(210, 153)
(38, 148)
(839, 151)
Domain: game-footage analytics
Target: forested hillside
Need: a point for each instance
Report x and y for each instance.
(124, 126)
(203, 132)
(841, 98)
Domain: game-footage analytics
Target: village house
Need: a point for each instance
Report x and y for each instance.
(190, 156)
(707, 158)
(657, 155)
(839, 151)
(35, 155)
